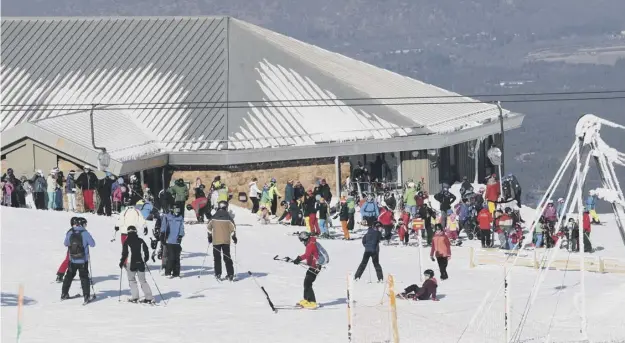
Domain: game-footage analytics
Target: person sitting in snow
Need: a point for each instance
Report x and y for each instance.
(425, 292)
(263, 216)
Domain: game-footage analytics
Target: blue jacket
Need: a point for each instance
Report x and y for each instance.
(370, 209)
(289, 192)
(590, 202)
(465, 211)
(145, 209)
(172, 227)
(70, 184)
(371, 240)
(87, 241)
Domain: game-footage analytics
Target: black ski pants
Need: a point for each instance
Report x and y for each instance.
(40, 200)
(83, 273)
(485, 238)
(442, 266)
(428, 231)
(388, 232)
(587, 244)
(350, 222)
(218, 250)
(105, 205)
(414, 289)
(181, 207)
(375, 256)
(309, 293)
(255, 204)
(274, 204)
(173, 260)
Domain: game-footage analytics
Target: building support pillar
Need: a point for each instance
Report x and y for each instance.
(399, 176)
(337, 170)
(142, 178)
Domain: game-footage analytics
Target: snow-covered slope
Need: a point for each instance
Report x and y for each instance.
(204, 310)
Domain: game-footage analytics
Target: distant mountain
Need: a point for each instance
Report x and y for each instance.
(468, 46)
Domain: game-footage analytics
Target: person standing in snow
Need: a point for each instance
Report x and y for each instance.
(410, 202)
(88, 182)
(28, 189)
(200, 205)
(387, 220)
(591, 203)
(105, 188)
(180, 192)
(445, 198)
(344, 217)
(65, 264)
(485, 222)
(587, 228)
(265, 198)
(220, 230)
(254, 195)
(324, 191)
(493, 192)
(427, 213)
(370, 211)
(70, 190)
(289, 192)
(39, 188)
(130, 217)
(322, 208)
(371, 241)
(463, 215)
(441, 248)
(466, 187)
(78, 240)
(51, 189)
(172, 232)
(274, 195)
(136, 267)
(310, 212)
(310, 257)
(298, 190)
(425, 292)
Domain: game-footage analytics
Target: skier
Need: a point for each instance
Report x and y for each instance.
(322, 208)
(445, 198)
(311, 257)
(254, 193)
(371, 241)
(200, 205)
(78, 240)
(70, 190)
(172, 232)
(370, 211)
(591, 202)
(220, 228)
(485, 222)
(351, 205)
(344, 217)
(310, 210)
(463, 215)
(441, 247)
(51, 188)
(424, 292)
(135, 190)
(427, 213)
(410, 202)
(386, 219)
(63, 267)
(130, 217)
(274, 195)
(466, 187)
(136, 267)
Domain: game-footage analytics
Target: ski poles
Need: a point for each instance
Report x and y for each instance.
(121, 273)
(91, 277)
(289, 260)
(273, 308)
(114, 236)
(204, 261)
(156, 285)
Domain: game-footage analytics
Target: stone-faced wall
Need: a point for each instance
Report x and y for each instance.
(237, 178)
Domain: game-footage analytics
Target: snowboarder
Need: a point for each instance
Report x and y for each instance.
(78, 240)
(172, 232)
(136, 267)
(424, 292)
(220, 228)
(371, 241)
(441, 248)
(311, 257)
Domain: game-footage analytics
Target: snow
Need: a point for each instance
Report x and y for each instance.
(202, 309)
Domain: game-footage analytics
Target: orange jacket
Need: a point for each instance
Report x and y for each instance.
(440, 245)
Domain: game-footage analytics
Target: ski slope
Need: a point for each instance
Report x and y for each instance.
(204, 310)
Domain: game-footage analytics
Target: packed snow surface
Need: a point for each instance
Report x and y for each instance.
(204, 310)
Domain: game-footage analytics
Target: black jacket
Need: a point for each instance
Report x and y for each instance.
(199, 192)
(104, 187)
(310, 205)
(371, 240)
(324, 191)
(446, 199)
(136, 245)
(323, 210)
(344, 212)
(298, 192)
(87, 181)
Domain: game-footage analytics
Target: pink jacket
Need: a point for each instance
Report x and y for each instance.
(440, 245)
(117, 195)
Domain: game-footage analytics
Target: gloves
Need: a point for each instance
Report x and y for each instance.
(432, 258)
(287, 259)
(117, 228)
(145, 230)
(234, 239)
(210, 239)
(121, 264)
(179, 239)
(297, 260)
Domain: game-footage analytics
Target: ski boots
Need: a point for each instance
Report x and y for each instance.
(148, 301)
(134, 301)
(302, 302)
(310, 305)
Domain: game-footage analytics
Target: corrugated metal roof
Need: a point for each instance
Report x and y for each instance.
(156, 60)
(380, 83)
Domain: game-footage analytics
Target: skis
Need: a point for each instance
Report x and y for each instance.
(78, 295)
(143, 302)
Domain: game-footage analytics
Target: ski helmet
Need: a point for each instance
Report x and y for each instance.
(438, 227)
(223, 204)
(508, 210)
(132, 229)
(429, 273)
(73, 221)
(81, 221)
(303, 237)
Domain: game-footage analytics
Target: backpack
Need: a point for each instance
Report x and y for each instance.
(324, 258)
(76, 248)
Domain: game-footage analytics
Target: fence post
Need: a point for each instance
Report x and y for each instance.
(391, 294)
(601, 265)
(535, 260)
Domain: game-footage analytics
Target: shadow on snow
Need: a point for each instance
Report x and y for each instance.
(10, 299)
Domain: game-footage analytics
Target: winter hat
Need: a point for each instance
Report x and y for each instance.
(120, 180)
(561, 200)
(72, 171)
(132, 229)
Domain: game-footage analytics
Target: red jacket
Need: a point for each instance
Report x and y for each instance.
(485, 219)
(492, 192)
(386, 217)
(311, 255)
(440, 245)
(586, 222)
(405, 217)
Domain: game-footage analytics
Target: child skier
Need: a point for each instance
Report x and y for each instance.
(322, 208)
(424, 292)
(263, 216)
(310, 256)
(403, 232)
(441, 248)
(386, 219)
(136, 266)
